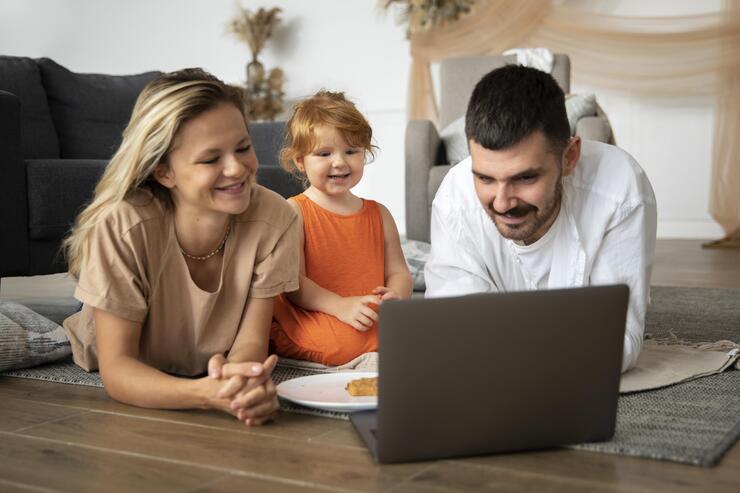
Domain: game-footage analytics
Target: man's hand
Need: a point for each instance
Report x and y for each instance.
(357, 311)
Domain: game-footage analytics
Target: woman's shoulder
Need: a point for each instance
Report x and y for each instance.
(268, 207)
(138, 208)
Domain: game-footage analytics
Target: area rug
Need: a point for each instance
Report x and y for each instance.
(694, 422)
(69, 373)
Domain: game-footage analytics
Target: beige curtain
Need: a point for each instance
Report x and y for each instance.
(655, 56)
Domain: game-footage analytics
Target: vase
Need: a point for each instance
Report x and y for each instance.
(255, 75)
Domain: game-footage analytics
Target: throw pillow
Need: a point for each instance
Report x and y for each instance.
(417, 254)
(90, 111)
(28, 339)
(455, 141)
(21, 77)
(577, 106)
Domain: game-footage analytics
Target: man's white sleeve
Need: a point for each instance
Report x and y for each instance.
(626, 256)
(455, 266)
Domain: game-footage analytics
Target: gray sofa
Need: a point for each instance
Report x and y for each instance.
(426, 157)
(58, 129)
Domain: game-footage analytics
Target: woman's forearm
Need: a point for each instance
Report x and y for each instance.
(130, 381)
(247, 352)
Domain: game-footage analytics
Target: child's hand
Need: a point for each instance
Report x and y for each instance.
(386, 293)
(357, 312)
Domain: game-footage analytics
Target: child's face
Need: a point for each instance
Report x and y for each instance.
(333, 167)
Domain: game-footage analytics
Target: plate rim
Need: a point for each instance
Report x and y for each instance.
(333, 406)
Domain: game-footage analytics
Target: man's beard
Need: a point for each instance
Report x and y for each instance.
(529, 230)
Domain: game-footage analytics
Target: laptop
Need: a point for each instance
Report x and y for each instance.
(496, 372)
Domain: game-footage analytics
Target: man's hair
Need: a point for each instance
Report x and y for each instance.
(510, 103)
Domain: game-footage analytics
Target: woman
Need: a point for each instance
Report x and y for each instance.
(180, 255)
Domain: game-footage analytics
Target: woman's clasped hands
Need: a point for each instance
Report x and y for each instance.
(245, 390)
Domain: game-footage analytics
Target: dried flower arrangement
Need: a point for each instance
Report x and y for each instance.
(264, 93)
(420, 15)
(254, 28)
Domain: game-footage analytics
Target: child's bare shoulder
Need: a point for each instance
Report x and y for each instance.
(384, 212)
(293, 202)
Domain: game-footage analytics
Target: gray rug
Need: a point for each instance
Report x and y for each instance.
(68, 372)
(692, 423)
(694, 314)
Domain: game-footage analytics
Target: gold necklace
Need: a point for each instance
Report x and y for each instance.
(206, 257)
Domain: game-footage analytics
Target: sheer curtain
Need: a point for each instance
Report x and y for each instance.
(655, 56)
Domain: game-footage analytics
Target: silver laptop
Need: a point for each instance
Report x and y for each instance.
(495, 373)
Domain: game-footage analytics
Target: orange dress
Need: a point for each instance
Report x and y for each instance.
(346, 255)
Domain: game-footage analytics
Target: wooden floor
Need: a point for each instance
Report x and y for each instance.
(56, 437)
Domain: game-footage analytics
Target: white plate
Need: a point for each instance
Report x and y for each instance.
(327, 391)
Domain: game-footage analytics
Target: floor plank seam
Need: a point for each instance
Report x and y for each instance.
(209, 483)
(138, 455)
(294, 482)
(520, 472)
(61, 418)
(28, 487)
(27, 398)
(254, 431)
(329, 432)
(250, 432)
(413, 476)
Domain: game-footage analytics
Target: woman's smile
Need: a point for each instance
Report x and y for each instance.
(233, 189)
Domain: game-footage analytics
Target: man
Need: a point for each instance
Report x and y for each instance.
(534, 208)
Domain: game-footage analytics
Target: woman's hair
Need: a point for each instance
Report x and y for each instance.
(323, 108)
(160, 110)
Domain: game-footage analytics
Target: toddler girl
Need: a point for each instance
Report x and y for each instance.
(351, 258)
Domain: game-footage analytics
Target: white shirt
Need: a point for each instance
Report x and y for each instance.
(536, 258)
(604, 234)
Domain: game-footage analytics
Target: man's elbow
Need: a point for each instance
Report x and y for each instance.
(630, 353)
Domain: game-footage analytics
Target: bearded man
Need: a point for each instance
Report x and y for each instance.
(534, 208)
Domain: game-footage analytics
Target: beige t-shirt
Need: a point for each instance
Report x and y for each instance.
(135, 270)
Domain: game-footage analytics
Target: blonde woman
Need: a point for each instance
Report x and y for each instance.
(180, 255)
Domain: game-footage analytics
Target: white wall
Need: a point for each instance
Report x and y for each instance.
(671, 138)
(349, 45)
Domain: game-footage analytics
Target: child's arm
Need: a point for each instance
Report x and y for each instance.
(354, 310)
(398, 282)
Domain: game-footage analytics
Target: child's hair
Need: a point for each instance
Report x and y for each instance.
(323, 108)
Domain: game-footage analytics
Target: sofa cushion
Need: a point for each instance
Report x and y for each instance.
(267, 138)
(278, 180)
(90, 111)
(456, 143)
(21, 76)
(579, 106)
(57, 190)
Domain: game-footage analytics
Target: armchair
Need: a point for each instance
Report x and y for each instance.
(426, 157)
